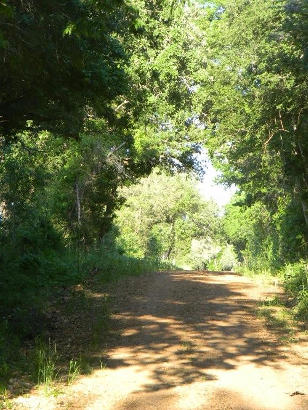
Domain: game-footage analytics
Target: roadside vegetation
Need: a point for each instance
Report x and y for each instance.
(104, 108)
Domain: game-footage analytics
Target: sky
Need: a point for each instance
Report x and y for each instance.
(211, 190)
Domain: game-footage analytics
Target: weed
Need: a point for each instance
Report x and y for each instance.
(9, 351)
(96, 265)
(102, 364)
(264, 276)
(301, 308)
(294, 278)
(5, 402)
(278, 318)
(45, 362)
(73, 370)
(274, 301)
(4, 369)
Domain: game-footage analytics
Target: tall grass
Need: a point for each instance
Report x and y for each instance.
(45, 359)
(74, 370)
(264, 276)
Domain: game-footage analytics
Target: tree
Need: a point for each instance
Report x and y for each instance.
(85, 178)
(163, 61)
(253, 102)
(161, 216)
(113, 76)
(263, 239)
(60, 62)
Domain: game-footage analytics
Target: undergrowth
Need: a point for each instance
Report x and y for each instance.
(294, 307)
(26, 342)
(45, 359)
(278, 318)
(263, 276)
(296, 284)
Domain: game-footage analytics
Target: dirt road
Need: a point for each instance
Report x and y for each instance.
(191, 340)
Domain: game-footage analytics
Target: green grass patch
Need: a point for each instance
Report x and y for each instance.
(278, 318)
(294, 279)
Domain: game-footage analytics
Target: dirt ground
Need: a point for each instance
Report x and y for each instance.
(189, 340)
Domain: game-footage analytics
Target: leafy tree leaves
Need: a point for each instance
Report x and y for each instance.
(161, 216)
(59, 58)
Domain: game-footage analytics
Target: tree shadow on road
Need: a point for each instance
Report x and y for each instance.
(179, 326)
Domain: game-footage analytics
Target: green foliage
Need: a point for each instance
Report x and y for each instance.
(296, 282)
(135, 85)
(85, 177)
(203, 253)
(163, 65)
(27, 318)
(39, 177)
(256, 87)
(9, 347)
(59, 58)
(296, 276)
(45, 362)
(74, 370)
(110, 265)
(301, 308)
(28, 240)
(271, 243)
(161, 216)
(264, 239)
(225, 260)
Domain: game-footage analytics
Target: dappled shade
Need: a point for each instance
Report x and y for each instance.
(179, 329)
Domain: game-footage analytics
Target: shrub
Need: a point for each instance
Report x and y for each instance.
(296, 276)
(296, 283)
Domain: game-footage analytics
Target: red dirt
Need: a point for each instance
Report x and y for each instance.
(191, 340)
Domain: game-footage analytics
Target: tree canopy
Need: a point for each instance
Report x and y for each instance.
(95, 95)
(161, 217)
(60, 61)
(256, 88)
